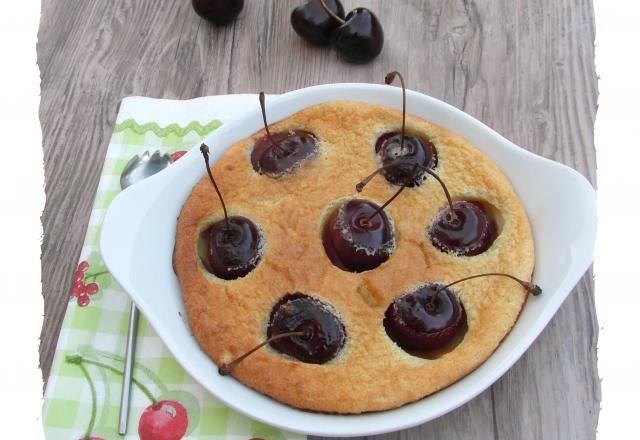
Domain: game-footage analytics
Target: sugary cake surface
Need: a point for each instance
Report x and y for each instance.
(371, 372)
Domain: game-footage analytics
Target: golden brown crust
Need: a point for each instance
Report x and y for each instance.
(371, 373)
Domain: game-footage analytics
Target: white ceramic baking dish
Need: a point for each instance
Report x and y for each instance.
(139, 229)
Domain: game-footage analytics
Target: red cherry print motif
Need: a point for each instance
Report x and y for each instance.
(166, 420)
(78, 276)
(162, 420)
(178, 154)
(79, 289)
(83, 299)
(79, 273)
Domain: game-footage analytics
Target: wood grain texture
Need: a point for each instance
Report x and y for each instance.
(523, 67)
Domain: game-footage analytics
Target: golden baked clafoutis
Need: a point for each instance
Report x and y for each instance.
(339, 284)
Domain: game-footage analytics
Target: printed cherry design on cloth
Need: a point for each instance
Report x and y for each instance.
(178, 154)
(166, 420)
(79, 289)
(162, 420)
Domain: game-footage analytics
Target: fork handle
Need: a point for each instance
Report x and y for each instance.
(125, 396)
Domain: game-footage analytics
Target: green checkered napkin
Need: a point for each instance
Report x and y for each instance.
(83, 390)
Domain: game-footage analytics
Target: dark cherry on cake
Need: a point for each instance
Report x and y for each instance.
(472, 234)
(416, 324)
(415, 150)
(431, 319)
(302, 327)
(313, 23)
(229, 248)
(232, 247)
(358, 236)
(404, 150)
(218, 12)
(281, 153)
(324, 333)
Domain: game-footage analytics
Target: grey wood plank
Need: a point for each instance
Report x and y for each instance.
(523, 67)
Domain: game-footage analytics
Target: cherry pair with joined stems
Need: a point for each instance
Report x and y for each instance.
(415, 166)
(464, 228)
(161, 420)
(358, 236)
(357, 37)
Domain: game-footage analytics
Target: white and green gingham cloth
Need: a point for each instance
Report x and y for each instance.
(83, 390)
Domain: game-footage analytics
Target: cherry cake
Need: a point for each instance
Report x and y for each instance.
(350, 300)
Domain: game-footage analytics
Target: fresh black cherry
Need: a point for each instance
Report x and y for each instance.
(302, 327)
(358, 236)
(418, 322)
(472, 234)
(218, 12)
(359, 37)
(281, 153)
(312, 22)
(229, 248)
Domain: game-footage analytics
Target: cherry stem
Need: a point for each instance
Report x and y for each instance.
(204, 149)
(388, 80)
(530, 287)
(452, 218)
(225, 369)
(79, 360)
(94, 406)
(95, 275)
(409, 178)
(331, 13)
(147, 371)
(275, 144)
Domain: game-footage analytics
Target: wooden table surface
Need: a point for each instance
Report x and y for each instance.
(523, 67)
